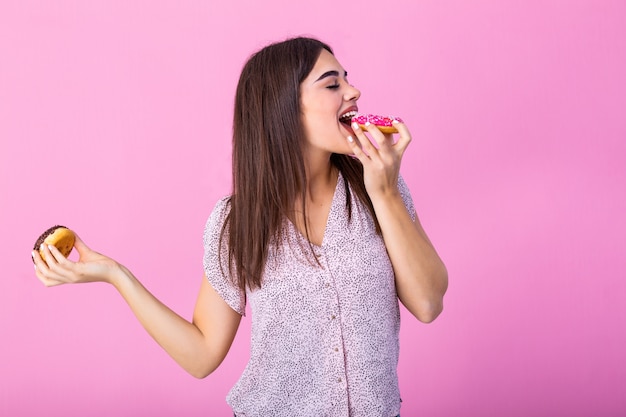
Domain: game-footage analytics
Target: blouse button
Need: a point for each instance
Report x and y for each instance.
(339, 380)
(336, 349)
(333, 317)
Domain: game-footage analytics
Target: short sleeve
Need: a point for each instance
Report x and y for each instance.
(216, 259)
(406, 197)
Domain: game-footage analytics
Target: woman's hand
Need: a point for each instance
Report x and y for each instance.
(381, 163)
(90, 267)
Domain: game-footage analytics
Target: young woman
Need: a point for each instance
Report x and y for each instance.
(319, 235)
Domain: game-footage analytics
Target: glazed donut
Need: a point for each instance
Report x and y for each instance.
(59, 236)
(383, 123)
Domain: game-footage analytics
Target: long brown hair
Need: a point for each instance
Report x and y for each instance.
(268, 163)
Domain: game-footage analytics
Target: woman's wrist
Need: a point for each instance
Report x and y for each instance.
(119, 276)
(386, 198)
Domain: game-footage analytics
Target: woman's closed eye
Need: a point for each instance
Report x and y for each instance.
(334, 86)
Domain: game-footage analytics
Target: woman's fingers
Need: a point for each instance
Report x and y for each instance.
(79, 244)
(384, 142)
(42, 268)
(53, 266)
(364, 141)
(57, 256)
(405, 137)
(361, 146)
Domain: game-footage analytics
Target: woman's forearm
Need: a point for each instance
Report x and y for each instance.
(181, 339)
(421, 276)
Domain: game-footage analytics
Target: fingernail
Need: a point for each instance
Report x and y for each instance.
(367, 123)
(50, 247)
(32, 254)
(355, 125)
(41, 246)
(395, 121)
(350, 139)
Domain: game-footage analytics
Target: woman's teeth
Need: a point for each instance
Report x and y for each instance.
(347, 117)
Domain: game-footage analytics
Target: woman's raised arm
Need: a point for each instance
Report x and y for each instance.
(421, 276)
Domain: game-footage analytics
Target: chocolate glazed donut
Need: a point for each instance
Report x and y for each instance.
(59, 236)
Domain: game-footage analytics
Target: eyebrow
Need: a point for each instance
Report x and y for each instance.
(332, 73)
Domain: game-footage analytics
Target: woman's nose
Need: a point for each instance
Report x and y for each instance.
(352, 93)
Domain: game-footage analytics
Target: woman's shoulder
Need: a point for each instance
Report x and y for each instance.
(222, 204)
(218, 215)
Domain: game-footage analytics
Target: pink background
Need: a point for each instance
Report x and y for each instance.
(115, 120)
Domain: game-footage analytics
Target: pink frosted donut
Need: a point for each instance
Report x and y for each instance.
(383, 123)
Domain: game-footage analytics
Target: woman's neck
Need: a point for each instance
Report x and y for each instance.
(310, 216)
(321, 177)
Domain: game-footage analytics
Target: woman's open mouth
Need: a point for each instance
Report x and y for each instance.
(346, 118)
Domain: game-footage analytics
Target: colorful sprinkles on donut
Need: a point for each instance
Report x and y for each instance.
(375, 119)
(384, 123)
